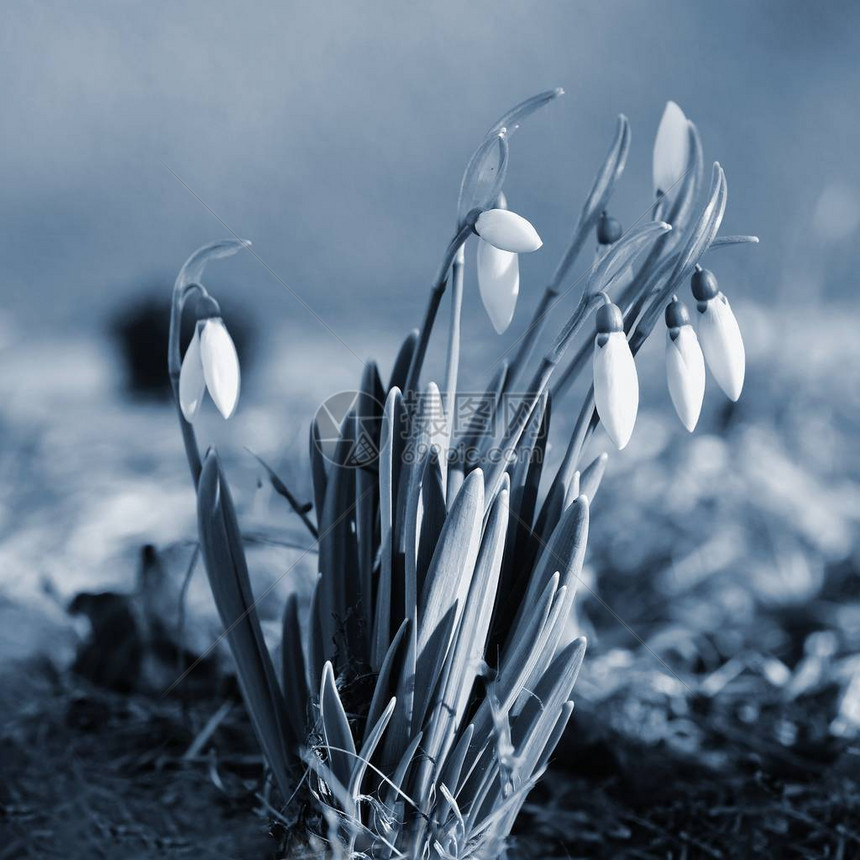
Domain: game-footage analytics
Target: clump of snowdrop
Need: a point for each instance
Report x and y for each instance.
(421, 698)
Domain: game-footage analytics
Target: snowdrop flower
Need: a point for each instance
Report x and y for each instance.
(616, 384)
(685, 364)
(719, 334)
(671, 148)
(498, 283)
(210, 362)
(507, 231)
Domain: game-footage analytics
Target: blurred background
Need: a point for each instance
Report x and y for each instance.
(722, 598)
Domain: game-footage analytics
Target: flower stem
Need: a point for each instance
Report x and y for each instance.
(436, 293)
(181, 293)
(453, 359)
(548, 299)
(587, 304)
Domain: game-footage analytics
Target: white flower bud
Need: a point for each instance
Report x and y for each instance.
(671, 148)
(616, 386)
(507, 231)
(220, 365)
(192, 385)
(722, 344)
(499, 283)
(685, 373)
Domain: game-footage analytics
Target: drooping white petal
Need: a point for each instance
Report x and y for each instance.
(507, 231)
(192, 385)
(616, 386)
(685, 374)
(671, 148)
(499, 283)
(722, 345)
(220, 365)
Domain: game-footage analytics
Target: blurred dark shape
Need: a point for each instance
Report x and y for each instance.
(140, 330)
(727, 416)
(161, 612)
(111, 656)
(135, 640)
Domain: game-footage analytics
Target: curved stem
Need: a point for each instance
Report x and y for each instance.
(436, 293)
(181, 293)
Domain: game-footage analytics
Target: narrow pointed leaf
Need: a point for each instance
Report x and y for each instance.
(294, 671)
(221, 545)
(316, 637)
(389, 670)
(371, 741)
(468, 647)
(453, 561)
(433, 502)
(592, 475)
(428, 667)
(484, 175)
(400, 371)
(512, 120)
(367, 434)
(318, 471)
(609, 173)
(400, 772)
(338, 558)
(335, 726)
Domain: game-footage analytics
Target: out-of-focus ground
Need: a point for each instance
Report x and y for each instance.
(718, 712)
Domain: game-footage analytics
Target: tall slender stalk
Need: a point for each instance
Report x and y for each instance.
(547, 300)
(452, 365)
(436, 293)
(540, 380)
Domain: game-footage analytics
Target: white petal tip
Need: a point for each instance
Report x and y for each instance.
(723, 346)
(498, 283)
(220, 366)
